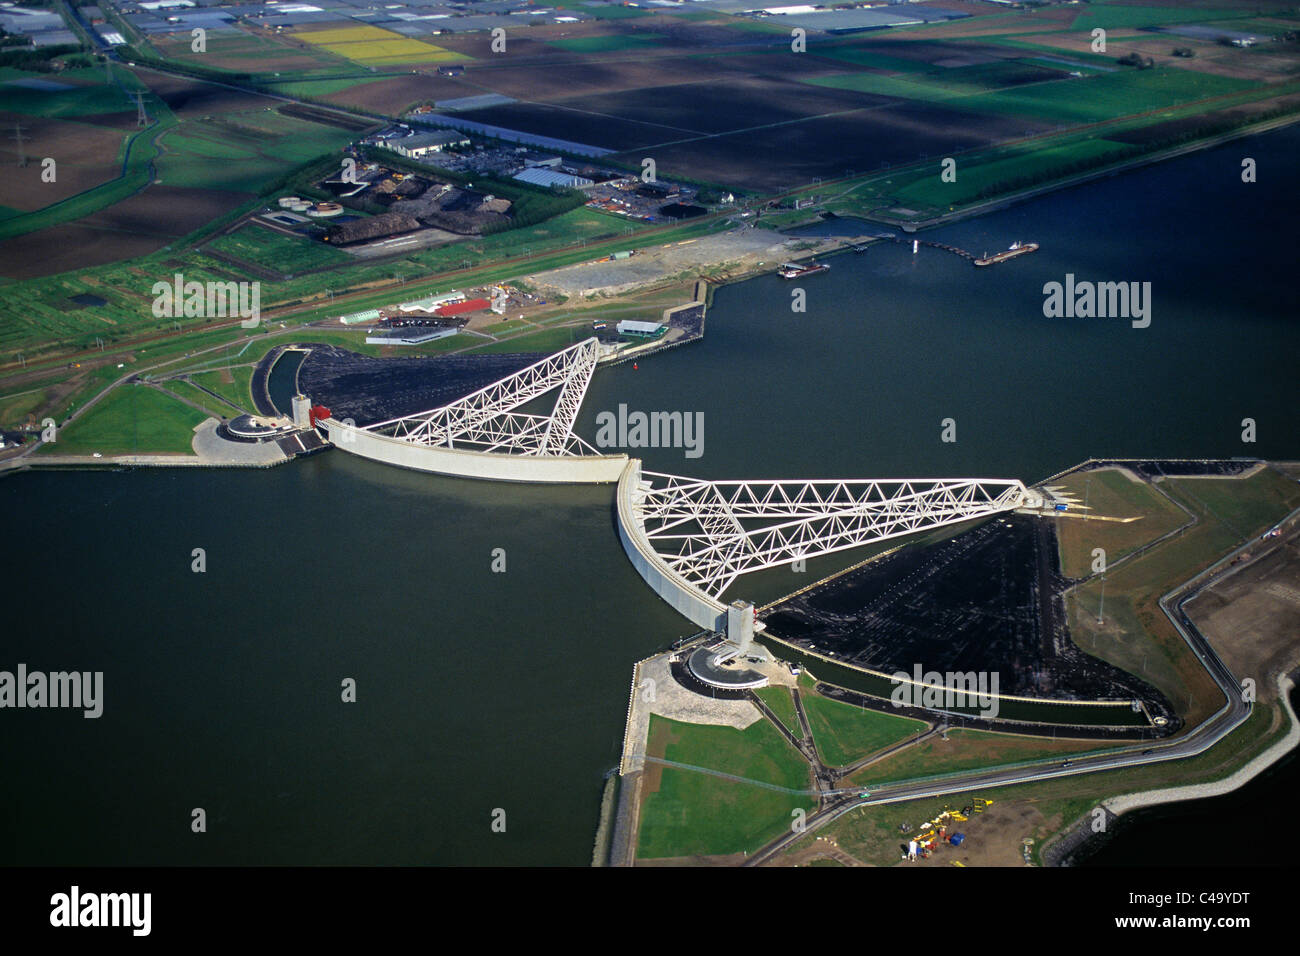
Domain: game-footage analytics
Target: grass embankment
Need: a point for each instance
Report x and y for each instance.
(844, 733)
(967, 750)
(1135, 634)
(267, 249)
(197, 396)
(129, 421)
(132, 164)
(55, 396)
(871, 834)
(244, 151)
(778, 700)
(234, 386)
(686, 813)
(1111, 493)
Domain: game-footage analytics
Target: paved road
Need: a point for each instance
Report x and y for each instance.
(1234, 712)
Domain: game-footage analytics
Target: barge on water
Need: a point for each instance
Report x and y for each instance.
(1017, 249)
(794, 270)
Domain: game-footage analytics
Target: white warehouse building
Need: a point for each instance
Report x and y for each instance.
(539, 176)
(421, 144)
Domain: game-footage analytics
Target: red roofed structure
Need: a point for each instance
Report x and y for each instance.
(458, 308)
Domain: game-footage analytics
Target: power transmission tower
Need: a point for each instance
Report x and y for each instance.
(141, 117)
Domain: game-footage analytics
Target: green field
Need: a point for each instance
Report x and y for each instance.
(237, 392)
(696, 813)
(844, 733)
(692, 813)
(42, 312)
(34, 399)
(923, 82)
(781, 704)
(1114, 16)
(90, 95)
(269, 249)
(248, 53)
(133, 419)
(758, 752)
(1135, 634)
(187, 391)
(134, 155)
(240, 152)
(967, 750)
(547, 340)
(1113, 494)
(324, 87)
(1270, 497)
(975, 178)
(1103, 96)
(16, 408)
(1071, 100)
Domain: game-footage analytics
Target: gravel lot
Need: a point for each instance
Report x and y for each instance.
(743, 246)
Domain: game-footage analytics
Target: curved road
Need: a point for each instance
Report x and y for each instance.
(1233, 713)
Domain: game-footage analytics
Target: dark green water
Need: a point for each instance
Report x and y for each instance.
(1197, 833)
(480, 691)
(282, 383)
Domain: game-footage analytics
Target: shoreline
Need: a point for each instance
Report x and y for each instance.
(1034, 192)
(1078, 841)
(906, 226)
(1067, 842)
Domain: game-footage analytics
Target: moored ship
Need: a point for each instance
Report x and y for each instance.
(794, 270)
(1017, 249)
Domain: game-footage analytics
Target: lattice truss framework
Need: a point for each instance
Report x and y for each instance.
(486, 420)
(711, 532)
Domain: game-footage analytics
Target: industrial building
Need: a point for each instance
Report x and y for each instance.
(551, 178)
(640, 329)
(421, 144)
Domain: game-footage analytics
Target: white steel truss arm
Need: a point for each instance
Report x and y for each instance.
(709, 533)
(488, 415)
(569, 402)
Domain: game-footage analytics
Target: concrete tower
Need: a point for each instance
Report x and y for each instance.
(740, 625)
